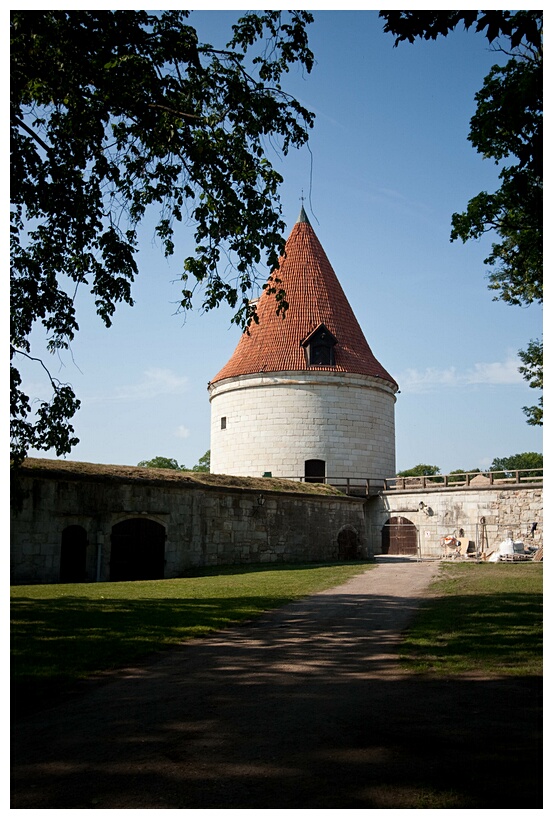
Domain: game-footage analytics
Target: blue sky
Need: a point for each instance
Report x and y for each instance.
(390, 163)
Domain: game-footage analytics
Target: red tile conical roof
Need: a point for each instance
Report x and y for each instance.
(315, 297)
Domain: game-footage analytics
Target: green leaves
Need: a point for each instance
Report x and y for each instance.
(516, 26)
(419, 470)
(532, 371)
(159, 462)
(50, 428)
(524, 460)
(116, 112)
(508, 128)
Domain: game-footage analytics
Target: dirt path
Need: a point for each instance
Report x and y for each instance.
(303, 708)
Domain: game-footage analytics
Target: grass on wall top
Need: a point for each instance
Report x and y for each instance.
(78, 470)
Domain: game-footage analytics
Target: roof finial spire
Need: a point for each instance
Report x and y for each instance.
(303, 215)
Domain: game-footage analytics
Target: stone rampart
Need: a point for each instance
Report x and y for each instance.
(195, 524)
(201, 525)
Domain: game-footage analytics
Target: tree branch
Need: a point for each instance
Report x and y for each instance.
(173, 111)
(34, 135)
(56, 383)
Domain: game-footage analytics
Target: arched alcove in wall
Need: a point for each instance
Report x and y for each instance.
(137, 550)
(348, 543)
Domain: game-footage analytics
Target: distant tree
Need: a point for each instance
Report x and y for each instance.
(159, 462)
(508, 128)
(419, 470)
(204, 463)
(114, 112)
(525, 460)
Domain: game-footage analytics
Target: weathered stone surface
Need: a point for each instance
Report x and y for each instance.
(203, 525)
(219, 525)
(485, 515)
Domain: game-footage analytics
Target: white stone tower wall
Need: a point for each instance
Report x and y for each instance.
(274, 423)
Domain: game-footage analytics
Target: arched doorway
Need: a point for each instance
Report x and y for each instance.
(73, 555)
(315, 471)
(137, 550)
(399, 537)
(348, 543)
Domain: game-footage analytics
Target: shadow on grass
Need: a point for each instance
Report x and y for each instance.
(303, 708)
(62, 633)
(58, 641)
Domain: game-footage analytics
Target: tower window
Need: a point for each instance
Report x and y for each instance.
(319, 348)
(315, 471)
(224, 422)
(321, 354)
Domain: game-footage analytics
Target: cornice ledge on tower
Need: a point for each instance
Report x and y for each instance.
(319, 376)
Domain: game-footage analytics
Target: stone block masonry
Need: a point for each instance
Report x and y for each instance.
(276, 422)
(200, 525)
(210, 525)
(486, 515)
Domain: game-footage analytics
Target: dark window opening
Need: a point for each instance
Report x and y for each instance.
(223, 422)
(321, 354)
(319, 348)
(315, 471)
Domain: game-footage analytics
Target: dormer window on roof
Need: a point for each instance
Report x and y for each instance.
(319, 348)
(316, 300)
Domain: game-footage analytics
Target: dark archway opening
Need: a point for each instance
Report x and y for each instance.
(73, 555)
(137, 550)
(399, 537)
(315, 471)
(348, 544)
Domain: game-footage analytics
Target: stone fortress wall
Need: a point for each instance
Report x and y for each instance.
(211, 525)
(199, 526)
(485, 515)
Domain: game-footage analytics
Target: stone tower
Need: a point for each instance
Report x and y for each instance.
(303, 395)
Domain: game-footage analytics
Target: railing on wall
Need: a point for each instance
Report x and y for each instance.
(458, 480)
(361, 487)
(365, 487)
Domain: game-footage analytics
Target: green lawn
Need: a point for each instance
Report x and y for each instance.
(481, 618)
(61, 633)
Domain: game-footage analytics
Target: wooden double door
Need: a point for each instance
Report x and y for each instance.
(399, 537)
